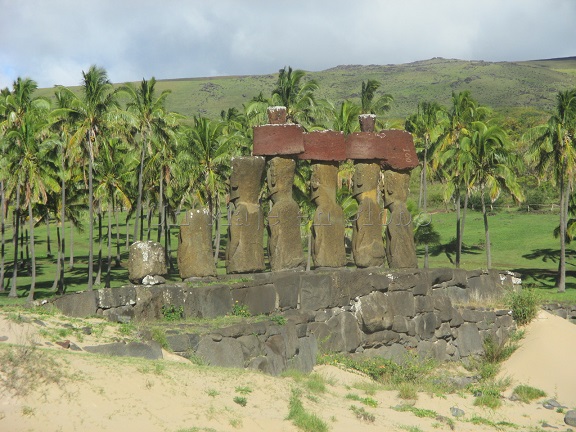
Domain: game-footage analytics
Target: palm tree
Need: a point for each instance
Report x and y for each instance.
(369, 103)
(90, 113)
(464, 111)
(148, 115)
(296, 94)
(205, 153)
(13, 108)
(553, 147)
(31, 170)
(345, 117)
(487, 150)
(112, 173)
(427, 126)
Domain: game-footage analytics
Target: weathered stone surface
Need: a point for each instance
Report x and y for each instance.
(146, 258)
(394, 148)
(367, 122)
(376, 312)
(225, 353)
(469, 341)
(305, 359)
(182, 342)
(401, 153)
(328, 248)
(395, 352)
(344, 333)
(80, 304)
(435, 350)
(367, 241)
(426, 325)
(400, 247)
(208, 302)
(245, 252)
(284, 240)
(195, 254)
(287, 285)
(315, 291)
(259, 299)
(276, 114)
(402, 303)
(111, 297)
(278, 139)
(324, 145)
(150, 350)
(570, 418)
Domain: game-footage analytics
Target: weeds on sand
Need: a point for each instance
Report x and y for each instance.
(527, 394)
(24, 368)
(362, 414)
(301, 418)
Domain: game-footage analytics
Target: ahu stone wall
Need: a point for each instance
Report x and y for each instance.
(370, 311)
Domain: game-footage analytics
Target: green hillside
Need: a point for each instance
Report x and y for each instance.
(511, 88)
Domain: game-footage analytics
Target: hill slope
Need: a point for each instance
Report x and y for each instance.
(508, 87)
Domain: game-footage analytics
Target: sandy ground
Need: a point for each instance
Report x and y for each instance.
(100, 393)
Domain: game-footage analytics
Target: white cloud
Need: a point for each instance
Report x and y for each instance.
(53, 41)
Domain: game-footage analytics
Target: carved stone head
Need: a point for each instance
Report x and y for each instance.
(246, 178)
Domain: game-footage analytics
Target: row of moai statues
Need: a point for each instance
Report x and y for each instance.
(385, 158)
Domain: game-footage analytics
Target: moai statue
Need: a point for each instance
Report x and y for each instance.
(195, 254)
(328, 248)
(284, 242)
(400, 248)
(367, 241)
(147, 263)
(245, 251)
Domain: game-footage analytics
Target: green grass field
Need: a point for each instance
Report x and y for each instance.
(521, 242)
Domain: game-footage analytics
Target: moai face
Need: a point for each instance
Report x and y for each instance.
(366, 178)
(396, 186)
(245, 180)
(281, 177)
(323, 182)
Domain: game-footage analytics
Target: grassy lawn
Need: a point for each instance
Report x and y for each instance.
(521, 242)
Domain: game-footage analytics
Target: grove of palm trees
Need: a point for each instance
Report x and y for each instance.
(89, 170)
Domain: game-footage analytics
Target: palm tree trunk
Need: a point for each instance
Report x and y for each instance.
(71, 260)
(2, 231)
(217, 234)
(48, 242)
(16, 215)
(32, 253)
(118, 256)
(56, 282)
(486, 231)
(561, 277)
(424, 193)
(62, 242)
(90, 214)
(98, 280)
(458, 231)
(161, 208)
(138, 213)
(109, 267)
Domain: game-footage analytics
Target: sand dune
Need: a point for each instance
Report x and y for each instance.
(125, 394)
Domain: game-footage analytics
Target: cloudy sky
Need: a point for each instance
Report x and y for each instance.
(53, 41)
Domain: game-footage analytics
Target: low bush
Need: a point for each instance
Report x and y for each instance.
(524, 305)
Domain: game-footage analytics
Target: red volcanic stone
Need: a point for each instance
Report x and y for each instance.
(277, 115)
(324, 146)
(278, 139)
(394, 148)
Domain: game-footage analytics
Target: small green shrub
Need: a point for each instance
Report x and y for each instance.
(278, 319)
(366, 401)
(240, 310)
(524, 305)
(418, 412)
(172, 313)
(240, 400)
(527, 394)
(243, 390)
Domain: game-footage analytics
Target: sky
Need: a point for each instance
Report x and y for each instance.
(53, 41)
